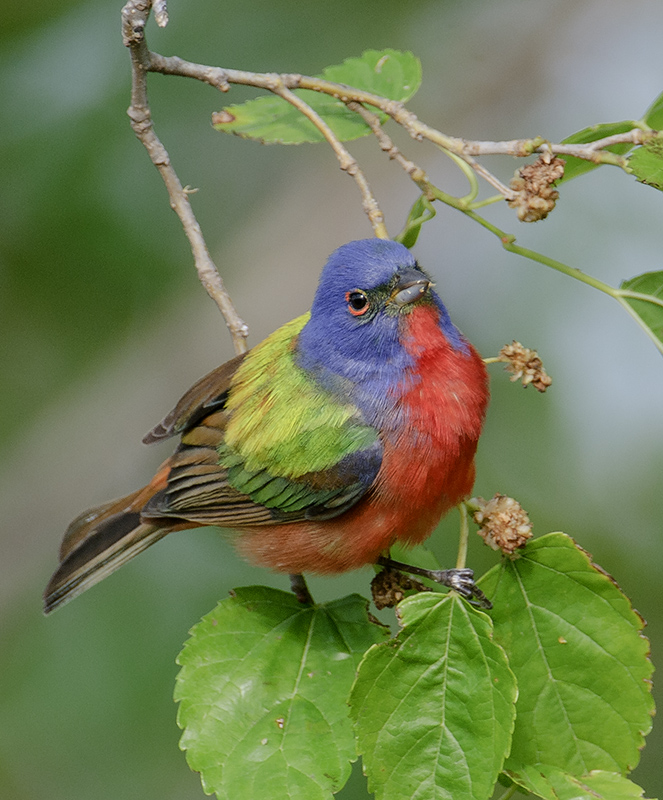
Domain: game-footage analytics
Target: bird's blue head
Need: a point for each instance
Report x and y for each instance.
(366, 290)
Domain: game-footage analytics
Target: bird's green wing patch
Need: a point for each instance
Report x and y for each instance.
(291, 444)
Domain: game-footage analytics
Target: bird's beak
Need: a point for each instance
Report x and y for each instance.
(410, 287)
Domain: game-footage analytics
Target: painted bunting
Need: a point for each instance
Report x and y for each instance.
(349, 428)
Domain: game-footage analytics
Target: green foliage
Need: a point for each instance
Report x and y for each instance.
(577, 649)
(265, 682)
(262, 694)
(646, 163)
(554, 784)
(578, 166)
(270, 119)
(654, 114)
(550, 691)
(434, 707)
(649, 311)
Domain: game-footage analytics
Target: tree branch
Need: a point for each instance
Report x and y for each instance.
(135, 15)
(134, 18)
(594, 152)
(279, 85)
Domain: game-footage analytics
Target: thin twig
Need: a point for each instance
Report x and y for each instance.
(134, 18)
(347, 162)
(496, 183)
(415, 172)
(135, 15)
(463, 147)
(525, 147)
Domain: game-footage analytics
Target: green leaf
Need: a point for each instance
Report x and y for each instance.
(578, 166)
(388, 73)
(554, 784)
(263, 690)
(393, 74)
(434, 708)
(649, 312)
(577, 649)
(422, 211)
(654, 114)
(646, 163)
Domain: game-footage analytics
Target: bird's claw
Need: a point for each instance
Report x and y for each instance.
(462, 581)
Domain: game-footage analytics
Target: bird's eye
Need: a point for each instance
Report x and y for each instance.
(357, 302)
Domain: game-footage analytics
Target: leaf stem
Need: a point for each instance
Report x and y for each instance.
(468, 170)
(508, 243)
(463, 537)
(487, 202)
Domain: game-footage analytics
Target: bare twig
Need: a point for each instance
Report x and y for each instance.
(347, 162)
(463, 151)
(415, 172)
(594, 152)
(521, 148)
(134, 18)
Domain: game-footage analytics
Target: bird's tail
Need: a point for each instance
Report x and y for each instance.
(101, 540)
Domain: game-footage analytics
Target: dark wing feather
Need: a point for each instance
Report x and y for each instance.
(203, 398)
(198, 490)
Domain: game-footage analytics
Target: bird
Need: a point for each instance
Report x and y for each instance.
(348, 429)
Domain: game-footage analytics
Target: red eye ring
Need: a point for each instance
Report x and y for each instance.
(357, 301)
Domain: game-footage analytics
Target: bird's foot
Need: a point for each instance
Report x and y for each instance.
(460, 580)
(300, 589)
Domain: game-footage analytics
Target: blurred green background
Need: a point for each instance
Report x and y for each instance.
(103, 324)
